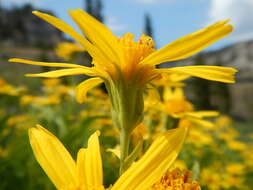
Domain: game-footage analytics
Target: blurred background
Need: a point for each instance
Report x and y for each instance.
(25, 102)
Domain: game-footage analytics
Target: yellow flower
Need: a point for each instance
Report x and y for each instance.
(122, 61)
(176, 105)
(223, 121)
(86, 173)
(67, 49)
(10, 90)
(39, 100)
(199, 138)
(235, 168)
(237, 145)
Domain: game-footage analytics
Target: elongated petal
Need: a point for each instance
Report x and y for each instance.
(93, 51)
(53, 158)
(200, 122)
(25, 61)
(168, 93)
(115, 151)
(190, 44)
(82, 88)
(62, 72)
(93, 164)
(214, 73)
(154, 163)
(201, 114)
(98, 34)
(81, 170)
(179, 93)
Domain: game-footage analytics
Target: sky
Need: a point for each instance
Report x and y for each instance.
(171, 19)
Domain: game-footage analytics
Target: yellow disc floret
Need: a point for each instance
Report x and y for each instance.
(135, 52)
(176, 180)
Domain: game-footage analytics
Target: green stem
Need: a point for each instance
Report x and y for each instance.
(124, 149)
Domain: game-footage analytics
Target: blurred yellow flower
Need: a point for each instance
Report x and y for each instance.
(66, 49)
(87, 173)
(223, 121)
(17, 119)
(39, 100)
(199, 138)
(176, 105)
(8, 89)
(235, 168)
(237, 145)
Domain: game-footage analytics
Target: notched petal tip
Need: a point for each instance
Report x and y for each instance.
(98, 133)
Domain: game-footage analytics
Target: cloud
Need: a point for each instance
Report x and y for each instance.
(239, 11)
(114, 24)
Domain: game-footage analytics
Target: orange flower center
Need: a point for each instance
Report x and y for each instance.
(176, 180)
(134, 52)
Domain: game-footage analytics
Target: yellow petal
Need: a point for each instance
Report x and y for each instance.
(93, 51)
(98, 34)
(201, 114)
(53, 158)
(16, 60)
(154, 163)
(82, 88)
(115, 151)
(93, 164)
(200, 122)
(179, 93)
(62, 72)
(81, 167)
(214, 73)
(168, 93)
(190, 44)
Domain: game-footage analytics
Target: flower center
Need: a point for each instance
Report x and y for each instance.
(134, 52)
(176, 180)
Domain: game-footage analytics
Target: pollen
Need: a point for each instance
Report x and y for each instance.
(176, 180)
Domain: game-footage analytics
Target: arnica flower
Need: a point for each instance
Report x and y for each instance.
(87, 174)
(126, 66)
(176, 105)
(66, 50)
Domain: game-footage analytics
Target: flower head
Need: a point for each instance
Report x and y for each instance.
(123, 61)
(176, 105)
(126, 66)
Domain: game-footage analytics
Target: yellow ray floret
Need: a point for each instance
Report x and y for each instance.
(190, 44)
(83, 88)
(214, 73)
(53, 158)
(86, 173)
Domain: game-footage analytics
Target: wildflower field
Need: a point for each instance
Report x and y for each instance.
(124, 122)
